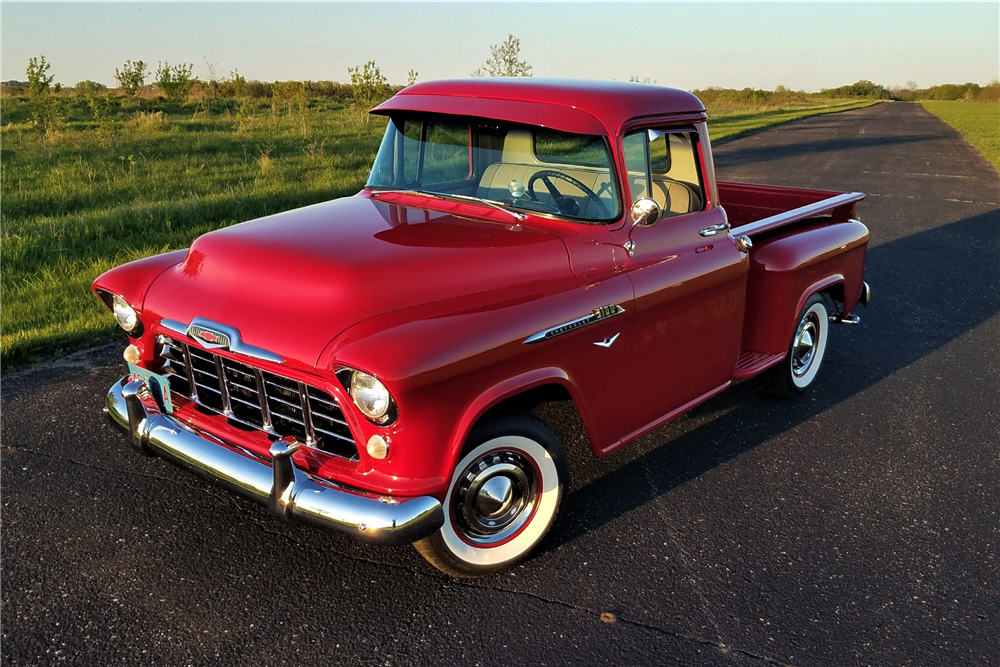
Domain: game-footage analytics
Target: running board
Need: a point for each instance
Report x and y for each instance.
(751, 363)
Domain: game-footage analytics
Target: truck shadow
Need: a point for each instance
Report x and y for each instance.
(747, 155)
(929, 289)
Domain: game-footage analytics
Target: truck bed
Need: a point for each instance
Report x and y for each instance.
(755, 209)
(804, 242)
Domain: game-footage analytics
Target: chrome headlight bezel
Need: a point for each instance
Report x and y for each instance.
(370, 396)
(126, 316)
(124, 313)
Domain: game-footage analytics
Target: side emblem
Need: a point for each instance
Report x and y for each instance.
(609, 341)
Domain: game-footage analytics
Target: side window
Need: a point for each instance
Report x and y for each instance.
(670, 173)
(659, 154)
(634, 147)
(447, 156)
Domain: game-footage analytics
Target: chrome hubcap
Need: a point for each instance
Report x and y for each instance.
(804, 344)
(495, 497)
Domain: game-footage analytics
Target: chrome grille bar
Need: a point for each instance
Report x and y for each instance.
(257, 399)
(220, 368)
(265, 410)
(306, 414)
(190, 372)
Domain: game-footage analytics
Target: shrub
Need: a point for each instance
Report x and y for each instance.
(47, 112)
(990, 92)
(176, 81)
(131, 77)
(504, 61)
(369, 88)
(88, 87)
(863, 88)
(39, 78)
(148, 121)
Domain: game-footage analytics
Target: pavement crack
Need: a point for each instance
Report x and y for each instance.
(720, 646)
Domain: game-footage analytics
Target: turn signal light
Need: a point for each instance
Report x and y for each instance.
(131, 354)
(377, 448)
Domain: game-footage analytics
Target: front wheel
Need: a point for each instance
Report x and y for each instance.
(798, 370)
(504, 496)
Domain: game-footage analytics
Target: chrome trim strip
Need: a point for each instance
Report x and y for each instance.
(175, 326)
(598, 314)
(290, 493)
(234, 342)
(801, 213)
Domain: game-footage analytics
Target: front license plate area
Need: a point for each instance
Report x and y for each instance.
(155, 382)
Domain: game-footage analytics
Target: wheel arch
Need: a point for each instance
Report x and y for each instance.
(514, 394)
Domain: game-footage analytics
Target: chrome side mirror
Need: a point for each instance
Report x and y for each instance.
(644, 212)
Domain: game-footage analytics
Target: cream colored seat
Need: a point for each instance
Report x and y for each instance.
(497, 177)
(673, 197)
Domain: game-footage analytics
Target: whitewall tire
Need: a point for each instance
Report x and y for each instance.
(805, 354)
(504, 495)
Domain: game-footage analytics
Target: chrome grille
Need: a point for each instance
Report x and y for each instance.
(255, 398)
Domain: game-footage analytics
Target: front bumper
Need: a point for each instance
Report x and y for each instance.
(291, 494)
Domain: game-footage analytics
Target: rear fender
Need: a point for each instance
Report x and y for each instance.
(789, 267)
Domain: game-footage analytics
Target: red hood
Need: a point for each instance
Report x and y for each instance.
(292, 282)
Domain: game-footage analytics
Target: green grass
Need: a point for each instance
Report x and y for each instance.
(731, 123)
(978, 122)
(80, 202)
(96, 194)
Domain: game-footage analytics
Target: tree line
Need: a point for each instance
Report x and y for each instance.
(368, 86)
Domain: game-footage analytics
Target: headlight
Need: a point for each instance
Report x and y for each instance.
(371, 396)
(125, 314)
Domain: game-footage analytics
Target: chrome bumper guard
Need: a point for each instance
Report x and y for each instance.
(291, 494)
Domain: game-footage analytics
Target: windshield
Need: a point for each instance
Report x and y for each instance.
(521, 167)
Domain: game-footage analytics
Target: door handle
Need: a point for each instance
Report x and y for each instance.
(714, 229)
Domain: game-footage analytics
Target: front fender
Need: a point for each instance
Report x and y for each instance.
(131, 281)
(446, 364)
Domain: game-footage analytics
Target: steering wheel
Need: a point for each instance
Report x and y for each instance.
(565, 205)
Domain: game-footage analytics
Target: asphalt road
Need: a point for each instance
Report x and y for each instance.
(857, 525)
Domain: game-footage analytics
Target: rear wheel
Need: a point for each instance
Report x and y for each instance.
(504, 496)
(798, 370)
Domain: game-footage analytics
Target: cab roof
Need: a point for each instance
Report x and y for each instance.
(570, 105)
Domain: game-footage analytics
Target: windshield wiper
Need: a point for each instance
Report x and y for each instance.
(520, 217)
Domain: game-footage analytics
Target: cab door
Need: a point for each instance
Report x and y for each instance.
(688, 278)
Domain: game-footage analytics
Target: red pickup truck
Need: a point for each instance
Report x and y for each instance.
(370, 364)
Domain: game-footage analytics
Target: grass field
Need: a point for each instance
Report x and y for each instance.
(979, 123)
(139, 181)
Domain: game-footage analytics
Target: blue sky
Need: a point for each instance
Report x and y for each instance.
(800, 45)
